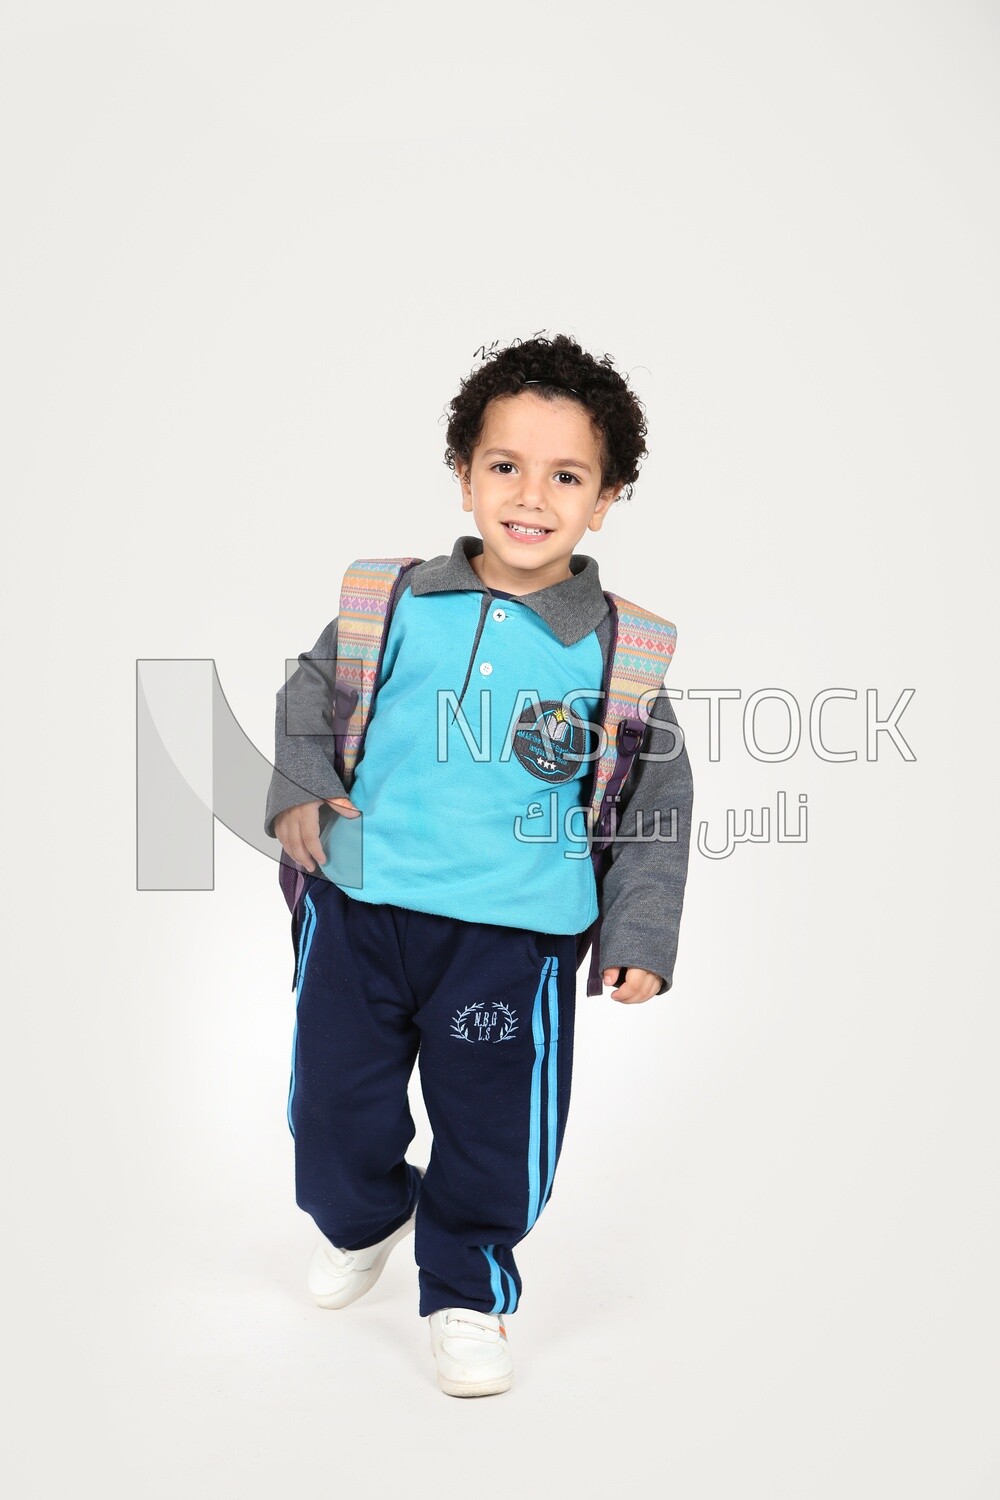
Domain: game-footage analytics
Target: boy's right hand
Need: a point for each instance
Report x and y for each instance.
(297, 829)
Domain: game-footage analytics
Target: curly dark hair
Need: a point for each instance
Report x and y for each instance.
(563, 369)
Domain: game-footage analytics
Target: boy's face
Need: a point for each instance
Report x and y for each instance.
(537, 464)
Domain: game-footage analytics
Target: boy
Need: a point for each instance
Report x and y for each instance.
(459, 942)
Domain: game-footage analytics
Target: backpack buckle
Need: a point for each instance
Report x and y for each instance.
(629, 738)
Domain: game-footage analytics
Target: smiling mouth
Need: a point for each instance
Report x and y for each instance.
(527, 530)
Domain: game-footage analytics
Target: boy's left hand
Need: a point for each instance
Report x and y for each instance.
(639, 985)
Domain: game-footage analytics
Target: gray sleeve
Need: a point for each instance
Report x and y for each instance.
(643, 889)
(303, 732)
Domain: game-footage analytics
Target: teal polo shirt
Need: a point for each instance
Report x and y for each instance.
(472, 781)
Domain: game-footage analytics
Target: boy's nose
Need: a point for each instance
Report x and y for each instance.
(531, 496)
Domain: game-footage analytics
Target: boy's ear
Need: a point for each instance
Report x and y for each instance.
(605, 501)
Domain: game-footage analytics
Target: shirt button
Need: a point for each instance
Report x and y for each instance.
(499, 614)
(486, 668)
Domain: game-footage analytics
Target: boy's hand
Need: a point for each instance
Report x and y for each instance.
(297, 829)
(639, 985)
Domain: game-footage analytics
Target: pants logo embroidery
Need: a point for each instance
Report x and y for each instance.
(484, 1023)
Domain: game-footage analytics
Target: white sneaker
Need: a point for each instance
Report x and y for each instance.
(470, 1349)
(339, 1277)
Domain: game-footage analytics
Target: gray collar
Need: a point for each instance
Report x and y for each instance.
(571, 609)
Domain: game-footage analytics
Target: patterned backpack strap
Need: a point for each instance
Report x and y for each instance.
(368, 595)
(641, 650)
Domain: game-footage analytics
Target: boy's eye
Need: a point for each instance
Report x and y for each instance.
(571, 476)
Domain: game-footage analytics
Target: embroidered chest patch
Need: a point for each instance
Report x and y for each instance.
(548, 743)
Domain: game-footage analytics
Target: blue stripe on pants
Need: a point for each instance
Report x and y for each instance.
(553, 1076)
(496, 1287)
(501, 1283)
(535, 1114)
(305, 943)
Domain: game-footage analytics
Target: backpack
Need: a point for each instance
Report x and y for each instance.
(641, 648)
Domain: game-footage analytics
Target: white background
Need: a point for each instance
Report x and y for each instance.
(249, 253)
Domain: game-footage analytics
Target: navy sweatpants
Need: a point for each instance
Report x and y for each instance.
(490, 1012)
